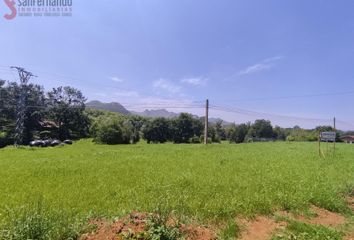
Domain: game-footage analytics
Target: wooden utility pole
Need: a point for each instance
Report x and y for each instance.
(206, 124)
(334, 127)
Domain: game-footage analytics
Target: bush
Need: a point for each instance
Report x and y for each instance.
(238, 133)
(195, 140)
(112, 130)
(209, 140)
(3, 139)
(290, 138)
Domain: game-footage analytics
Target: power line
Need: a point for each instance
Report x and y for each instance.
(126, 106)
(292, 97)
(254, 113)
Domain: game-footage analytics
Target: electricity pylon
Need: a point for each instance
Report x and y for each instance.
(21, 107)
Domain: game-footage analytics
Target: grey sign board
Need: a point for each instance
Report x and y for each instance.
(328, 136)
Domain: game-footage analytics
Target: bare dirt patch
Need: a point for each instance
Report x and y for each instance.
(135, 224)
(261, 228)
(323, 217)
(194, 232)
(350, 237)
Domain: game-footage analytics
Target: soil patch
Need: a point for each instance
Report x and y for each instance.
(198, 233)
(261, 228)
(135, 224)
(323, 217)
(350, 237)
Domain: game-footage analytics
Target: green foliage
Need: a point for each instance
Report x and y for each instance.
(66, 108)
(157, 130)
(290, 138)
(231, 231)
(185, 127)
(238, 133)
(213, 135)
(220, 130)
(36, 222)
(112, 130)
(196, 140)
(158, 229)
(303, 231)
(280, 133)
(3, 139)
(261, 129)
(137, 123)
(35, 98)
(132, 125)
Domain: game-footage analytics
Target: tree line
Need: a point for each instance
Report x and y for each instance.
(61, 114)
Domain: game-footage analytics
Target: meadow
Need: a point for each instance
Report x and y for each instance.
(206, 183)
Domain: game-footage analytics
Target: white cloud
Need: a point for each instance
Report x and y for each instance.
(264, 65)
(195, 81)
(116, 79)
(273, 59)
(166, 86)
(126, 93)
(255, 68)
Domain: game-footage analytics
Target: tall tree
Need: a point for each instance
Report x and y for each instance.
(261, 129)
(66, 108)
(186, 127)
(157, 130)
(238, 133)
(220, 130)
(35, 107)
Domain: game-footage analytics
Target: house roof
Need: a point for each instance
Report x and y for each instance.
(48, 124)
(347, 137)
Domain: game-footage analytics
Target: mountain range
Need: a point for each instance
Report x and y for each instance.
(112, 107)
(119, 108)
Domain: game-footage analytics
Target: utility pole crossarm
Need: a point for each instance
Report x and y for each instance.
(23, 74)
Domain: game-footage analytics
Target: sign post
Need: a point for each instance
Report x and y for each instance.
(335, 131)
(326, 137)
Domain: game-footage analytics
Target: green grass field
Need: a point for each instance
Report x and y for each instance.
(200, 182)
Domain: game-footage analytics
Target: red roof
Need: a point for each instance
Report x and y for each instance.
(347, 137)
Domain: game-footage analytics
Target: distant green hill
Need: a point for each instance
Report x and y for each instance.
(157, 113)
(113, 107)
(119, 108)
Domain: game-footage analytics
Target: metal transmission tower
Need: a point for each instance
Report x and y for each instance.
(21, 108)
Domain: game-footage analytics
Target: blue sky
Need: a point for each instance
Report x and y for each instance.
(254, 55)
